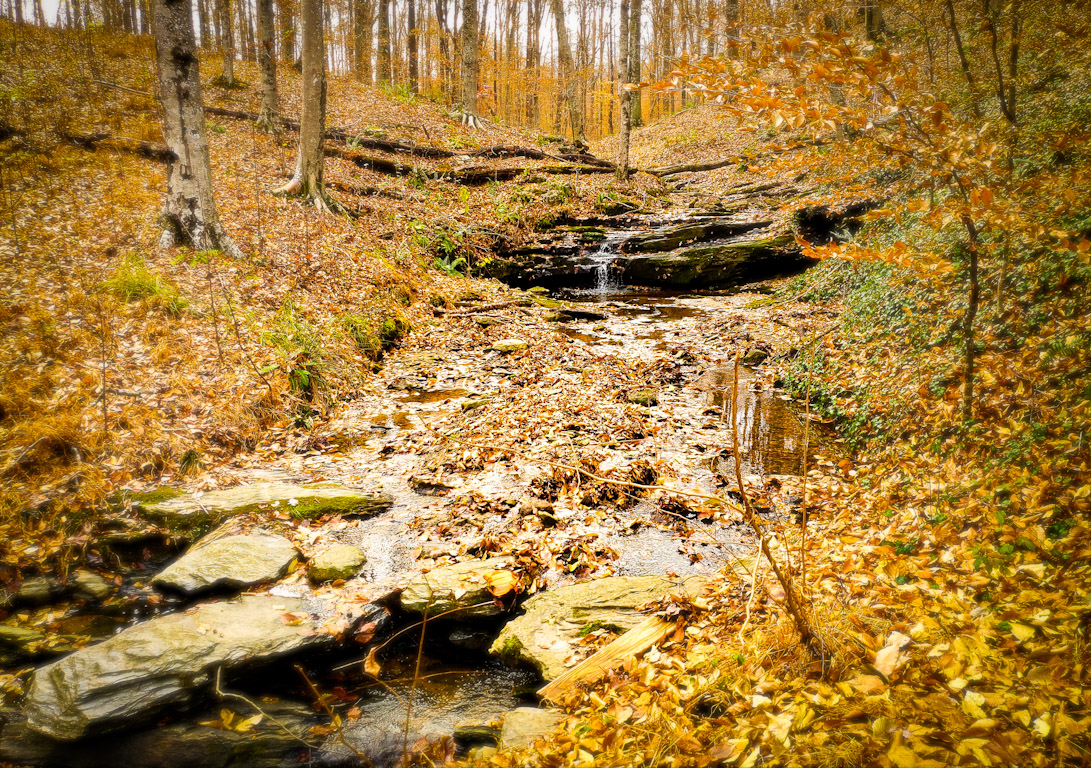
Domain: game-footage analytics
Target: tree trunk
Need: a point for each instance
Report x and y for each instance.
(572, 88)
(636, 11)
(534, 27)
(411, 46)
(384, 42)
(227, 77)
(307, 181)
(623, 96)
(873, 19)
(287, 30)
(444, 46)
(202, 17)
(267, 117)
(362, 40)
(189, 210)
(469, 63)
(969, 340)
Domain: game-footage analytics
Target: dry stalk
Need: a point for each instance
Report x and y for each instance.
(791, 600)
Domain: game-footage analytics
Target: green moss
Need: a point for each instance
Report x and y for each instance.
(511, 648)
(311, 508)
(158, 496)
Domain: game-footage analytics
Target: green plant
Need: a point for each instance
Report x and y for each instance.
(300, 350)
(134, 281)
(449, 265)
(402, 94)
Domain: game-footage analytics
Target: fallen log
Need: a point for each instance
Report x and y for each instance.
(95, 141)
(416, 150)
(469, 176)
(634, 642)
(672, 170)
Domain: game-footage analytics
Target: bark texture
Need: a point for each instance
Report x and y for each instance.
(469, 62)
(307, 181)
(189, 211)
(623, 94)
(267, 118)
(572, 88)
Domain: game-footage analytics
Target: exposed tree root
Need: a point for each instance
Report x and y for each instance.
(94, 141)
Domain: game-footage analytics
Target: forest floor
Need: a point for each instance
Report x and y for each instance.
(945, 569)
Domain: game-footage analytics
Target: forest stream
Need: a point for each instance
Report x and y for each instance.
(377, 442)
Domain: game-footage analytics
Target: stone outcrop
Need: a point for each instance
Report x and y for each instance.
(543, 635)
(163, 662)
(228, 561)
(462, 588)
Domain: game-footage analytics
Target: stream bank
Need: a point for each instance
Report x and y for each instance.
(464, 448)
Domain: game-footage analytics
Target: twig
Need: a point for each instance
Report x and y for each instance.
(791, 601)
(219, 691)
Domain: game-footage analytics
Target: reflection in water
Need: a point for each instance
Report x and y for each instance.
(771, 435)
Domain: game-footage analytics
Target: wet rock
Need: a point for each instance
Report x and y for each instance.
(524, 725)
(507, 346)
(486, 322)
(476, 735)
(755, 356)
(473, 403)
(341, 561)
(92, 586)
(712, 265)
(543, 635)
(229, 561)
(645, 397)
(37, 590)
(462, 587)
(163, 662)
(669, 238)
(264, 745)
(180, 510)
(19, 644)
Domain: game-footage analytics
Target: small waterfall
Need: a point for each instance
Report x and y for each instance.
(607, 279)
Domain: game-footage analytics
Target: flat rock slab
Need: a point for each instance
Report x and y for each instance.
(127, 679)
(462, 588)
(524, 725)
(544, 634)
(229, 561)
(302, 501)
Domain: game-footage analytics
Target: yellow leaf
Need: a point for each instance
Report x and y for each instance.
(500, 582)
(902, 756)
(1021, 631)
(371, 665)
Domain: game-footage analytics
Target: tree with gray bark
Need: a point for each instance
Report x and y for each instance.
(307, 182)
(189, 210)
(469, 63)
(267, 116)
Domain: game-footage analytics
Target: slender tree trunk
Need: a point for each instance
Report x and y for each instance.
(307, 181)
(189, 210)
(227, 77)
(572, 88)
(444, 46)
(469, 63)
(202, 18)
(384, 42)
(636, 11)
(287, 30)
(963, 61)
(623, 96)
(534, 27)
(267, 117)
(411, 45)
(361, 52)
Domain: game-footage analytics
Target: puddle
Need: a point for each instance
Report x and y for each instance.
(430, 396)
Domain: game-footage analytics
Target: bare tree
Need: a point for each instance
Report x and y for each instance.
(572, 89)
(623, 94)
(469, 63)
(385, 71)
(307, 181)
(267, 117)
(189, 210)
(636, 13)
(227, 43)
(411, 46)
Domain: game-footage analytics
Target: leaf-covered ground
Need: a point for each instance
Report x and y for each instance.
(944, 565)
